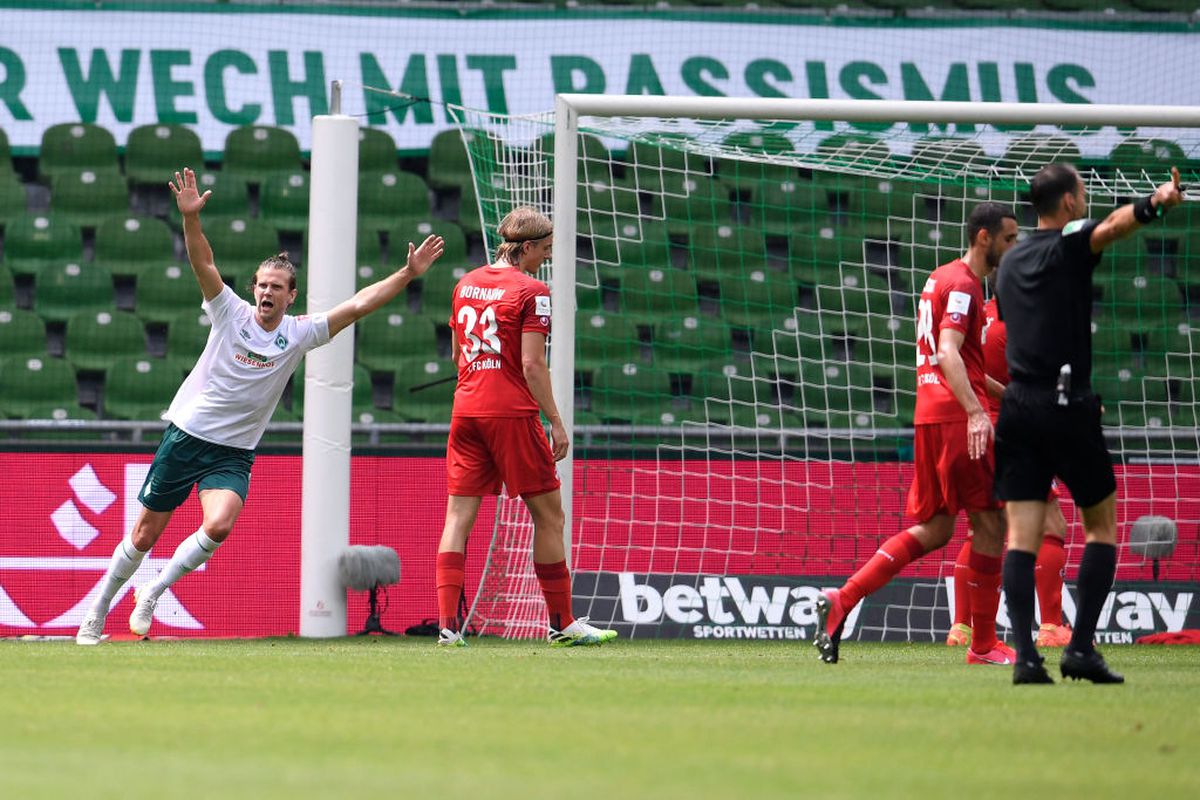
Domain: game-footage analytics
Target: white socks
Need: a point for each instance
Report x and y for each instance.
(125, 561)
(191, 553)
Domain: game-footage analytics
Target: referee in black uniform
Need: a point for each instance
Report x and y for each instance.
(1049, 418)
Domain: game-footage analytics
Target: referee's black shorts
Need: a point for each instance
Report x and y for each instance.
(1037, 439)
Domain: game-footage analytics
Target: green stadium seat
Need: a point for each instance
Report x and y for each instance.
(163, 293)
(689, 201)
(62, 291)
(1166, 6)
(928, 245)
(726, 249)
(153, 153)
(682, 345)
(1111, 339)
(435, 290)
(73, 147)
(22, 332)
(1030, 153)
(384, 197)
(187, 334)
(815, 254)
(619, 392)
(468, 212)
(129, 246)
(948, 155)
(746, 176)
(781, 206)
(861, 293)
(6, 166)
(12, 198)
(650, 292)
(283, 201)
(94, 340)
(603, 198)
(742, 388)
(415, 230)
(758, 293)
(230, 199)
(1155, 156)
(387, 337)
(1145, 302)
(255, 152)
(595, 162)
(602, 338)
(8, 297)
(376, 152)
(139, 387)
(1122, 380)
(88, 197)
(449, 166)
(62, 410)
(858, 150)
(660, 159)
(33, 241)
(240, 245)
(627, 242)
(33, 382)
(432, 404)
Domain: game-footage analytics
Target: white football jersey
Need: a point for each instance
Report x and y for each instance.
(231, 393)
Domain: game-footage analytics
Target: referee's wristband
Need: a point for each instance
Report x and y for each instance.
(1145, 212)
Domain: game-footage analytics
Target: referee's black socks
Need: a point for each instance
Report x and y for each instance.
(1096, 571)
(1019, 589)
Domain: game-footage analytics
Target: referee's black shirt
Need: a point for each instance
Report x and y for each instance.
(1044, 295)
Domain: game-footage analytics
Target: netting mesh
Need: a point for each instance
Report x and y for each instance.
(745, 345)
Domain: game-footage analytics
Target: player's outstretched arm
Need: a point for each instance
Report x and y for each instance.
(1124, 221)
(537, 376)
(189, 202)
(979, 425)
(369, 298)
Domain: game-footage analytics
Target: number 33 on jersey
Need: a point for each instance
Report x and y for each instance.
(492, 307)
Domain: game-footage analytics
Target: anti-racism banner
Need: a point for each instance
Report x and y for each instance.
(215, 67)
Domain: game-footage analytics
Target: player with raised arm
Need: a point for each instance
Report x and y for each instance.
(500, 318)
(1052, 557)
(952, 444)
(223, 406)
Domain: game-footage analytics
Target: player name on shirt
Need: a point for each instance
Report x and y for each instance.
(486, 294)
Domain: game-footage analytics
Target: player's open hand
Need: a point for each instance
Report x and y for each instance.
(559, 442)
(1169, 194)
(187, 199)
(420, 259)
(979, 434)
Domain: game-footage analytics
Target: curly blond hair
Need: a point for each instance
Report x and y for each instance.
(521, 225)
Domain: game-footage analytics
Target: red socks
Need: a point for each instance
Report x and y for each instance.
(893, 556)
(450, 576)
(1048, 574)
(555, 581)
(962, 585)
(985, 600)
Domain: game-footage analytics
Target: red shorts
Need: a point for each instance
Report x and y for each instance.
(484, 452)
(947, 480)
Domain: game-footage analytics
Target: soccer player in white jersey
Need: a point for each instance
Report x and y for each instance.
(221, 410)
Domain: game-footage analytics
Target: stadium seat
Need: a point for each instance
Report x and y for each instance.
(8, 297)
(187, 334)
(88, 197)
(163, 293)
(432, 404)
(1137, 154)
(154, 152)
(12, 197)
(726, 249)
(1111, 339)
(815, 254)
(657, 159)
(64, 290)
(758, 293)
(255, 152)
(33, 241)
(627, 242)
(449, 165)
(283, 201)
(1145, 302)
(27, 383)
(650, 293)
(1122, 380)
(6, 165)
(620, 392)
(602, 338)
(239, 245)
(60, 410)
(1030, 153)
(949, 155)
(468, 212)
(688, 201)
(928, 245)
(376, 152)
(746, 176)
(74, 147)
(682, 345)
(415, 230)
(230, 198)
(595, 162)
(859, 150)
(436, 288)
(781, 206)
(603, 197)
(139, 387)
(94, 340)
(1166, 6)
(23, 333)
(387, 337)
(129, 246)
(860, 293)
(383, 197)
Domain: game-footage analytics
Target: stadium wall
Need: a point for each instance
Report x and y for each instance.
(65, 512)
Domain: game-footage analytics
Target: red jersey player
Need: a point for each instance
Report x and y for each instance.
(500, 317)
(1050, 568)
(952, 445)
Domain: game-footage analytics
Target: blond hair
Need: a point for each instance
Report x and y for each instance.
(521, 225)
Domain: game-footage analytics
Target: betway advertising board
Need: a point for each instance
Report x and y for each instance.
(214, 67)
(655, 560)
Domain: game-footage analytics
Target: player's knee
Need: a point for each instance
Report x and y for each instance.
(218, 529)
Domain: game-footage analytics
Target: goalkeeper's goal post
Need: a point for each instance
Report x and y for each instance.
(734, 284)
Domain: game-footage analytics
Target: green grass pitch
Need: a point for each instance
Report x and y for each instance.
(287, 718)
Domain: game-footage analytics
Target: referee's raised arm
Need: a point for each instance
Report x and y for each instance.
(1127, 219)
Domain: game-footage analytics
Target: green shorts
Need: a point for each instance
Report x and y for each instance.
(183, 461)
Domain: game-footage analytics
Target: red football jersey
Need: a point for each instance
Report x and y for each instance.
(491, 307)
(952, 298)
(995, 365)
